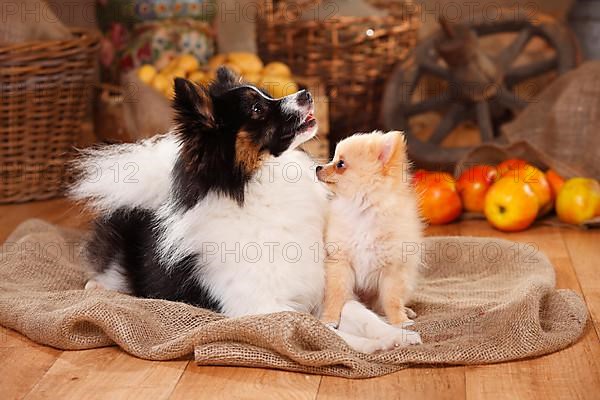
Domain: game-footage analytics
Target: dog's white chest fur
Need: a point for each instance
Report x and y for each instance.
(364, 247)
(372, 238)
(265, 256)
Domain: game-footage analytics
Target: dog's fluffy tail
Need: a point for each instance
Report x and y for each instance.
(125, 175)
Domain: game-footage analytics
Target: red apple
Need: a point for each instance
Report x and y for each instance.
(439, 203)
(473, 184)
(555, 180)
(510, 164)
(434, 177)
(419, 176)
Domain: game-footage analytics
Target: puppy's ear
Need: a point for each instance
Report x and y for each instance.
(193, 107)
(392, 148)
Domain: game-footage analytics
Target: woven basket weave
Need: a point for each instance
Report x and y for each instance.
(45, 88)
(352, 56)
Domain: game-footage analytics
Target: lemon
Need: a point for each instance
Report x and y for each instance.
(217, 60)
(278, 86)
(146, 73)
(171, 66)
(289, 88)
(160, 82)
(234, 67)
(169, 92)
(178, 73)
(277, 68)
(252, 78)
(199, 77)
(187, 62)
(247, 62)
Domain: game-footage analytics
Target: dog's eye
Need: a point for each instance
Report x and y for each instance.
(340, 164)
(257, 108)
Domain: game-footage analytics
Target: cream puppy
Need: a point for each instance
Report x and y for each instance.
(374, 232)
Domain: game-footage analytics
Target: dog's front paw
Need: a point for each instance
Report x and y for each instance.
(92, 284)
(410, 313)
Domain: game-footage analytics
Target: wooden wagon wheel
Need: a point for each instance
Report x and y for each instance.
(478, 86)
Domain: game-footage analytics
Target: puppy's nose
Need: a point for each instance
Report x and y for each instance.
(319, 168)
(304, 98)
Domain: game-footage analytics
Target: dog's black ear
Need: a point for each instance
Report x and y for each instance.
(227, 77)
(193, 107)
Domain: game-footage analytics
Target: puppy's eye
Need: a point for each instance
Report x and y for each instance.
(257, 109)
(340, 164)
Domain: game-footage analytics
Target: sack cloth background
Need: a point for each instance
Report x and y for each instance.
(558, 130)
(480, 301)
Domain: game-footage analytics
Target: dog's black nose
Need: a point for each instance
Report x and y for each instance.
(319, 168)
(304, 98)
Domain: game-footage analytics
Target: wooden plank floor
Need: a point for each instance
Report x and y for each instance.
(31, 371)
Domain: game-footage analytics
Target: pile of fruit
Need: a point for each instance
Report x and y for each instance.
(275, 77)
(511, 195)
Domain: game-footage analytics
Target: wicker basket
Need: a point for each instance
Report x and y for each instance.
(353, 56)
(45, 89)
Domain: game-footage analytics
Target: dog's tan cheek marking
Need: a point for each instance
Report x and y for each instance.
(247, 153)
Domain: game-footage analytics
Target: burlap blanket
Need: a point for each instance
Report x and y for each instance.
(481, 301)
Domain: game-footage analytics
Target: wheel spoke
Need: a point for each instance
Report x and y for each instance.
(431, 104)
(510, 100)
(523, 72)
(450, 120)
(484, 120)
(413, 81)
(510, 53)
(435, 69)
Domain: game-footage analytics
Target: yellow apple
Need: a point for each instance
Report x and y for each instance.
(538, 183)
(246, 62)
(146, 73)
(510, 205)
(216, 61)
(277, 68)
(199, 77)
(578, 200)
(188, 63)
(161, 82)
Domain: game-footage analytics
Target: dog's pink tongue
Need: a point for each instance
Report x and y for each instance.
(309, 117)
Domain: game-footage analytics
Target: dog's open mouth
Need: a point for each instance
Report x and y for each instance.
(306, 130)
(309, 122)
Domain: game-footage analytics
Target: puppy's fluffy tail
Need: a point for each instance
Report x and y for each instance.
(134, 175)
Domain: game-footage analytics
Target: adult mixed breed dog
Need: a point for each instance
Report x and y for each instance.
(222, 212)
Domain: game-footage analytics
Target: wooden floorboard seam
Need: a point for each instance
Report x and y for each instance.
(595, 325)
(39, 381)
(179, 379)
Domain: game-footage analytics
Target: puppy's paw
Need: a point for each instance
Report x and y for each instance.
(370, 346)
(407, 323)
(401, 339)
(367, 345)
(405, 337)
